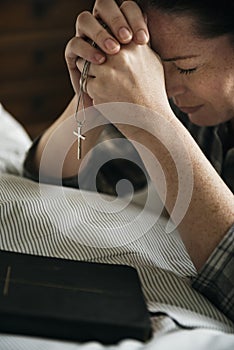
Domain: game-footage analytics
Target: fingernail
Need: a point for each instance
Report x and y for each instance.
(125, 34)
(111, 45)
(99, 58)
(141, 36)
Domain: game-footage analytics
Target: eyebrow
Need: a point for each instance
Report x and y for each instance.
(177, 58)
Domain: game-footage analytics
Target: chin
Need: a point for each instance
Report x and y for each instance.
(200, 120)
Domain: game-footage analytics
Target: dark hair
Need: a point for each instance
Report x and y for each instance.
(213, 18)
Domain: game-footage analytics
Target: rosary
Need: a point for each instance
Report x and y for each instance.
(83, 82)
(80, 123)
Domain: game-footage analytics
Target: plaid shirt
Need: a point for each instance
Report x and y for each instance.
(216, 279)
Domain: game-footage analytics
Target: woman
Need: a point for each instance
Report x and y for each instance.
(190, 60)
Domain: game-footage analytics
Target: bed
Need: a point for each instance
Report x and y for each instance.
(34, 220)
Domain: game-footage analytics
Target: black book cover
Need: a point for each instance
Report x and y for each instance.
(70, 299)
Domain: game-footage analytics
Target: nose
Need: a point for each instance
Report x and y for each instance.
(174, 83)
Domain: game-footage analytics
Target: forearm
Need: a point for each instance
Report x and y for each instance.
(56, 153)
(210, 210)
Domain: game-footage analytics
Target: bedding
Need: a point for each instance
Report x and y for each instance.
(61, 222)
(14, 142)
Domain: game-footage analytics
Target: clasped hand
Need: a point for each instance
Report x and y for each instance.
(123, 66)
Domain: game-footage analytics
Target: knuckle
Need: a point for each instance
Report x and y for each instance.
(115, 20)
(127, 5)
(99, 4)
(72, 49)
(125, 57)
(72, 44)
(122, 57)
(99, 36)
(69, 47)
(82, 18)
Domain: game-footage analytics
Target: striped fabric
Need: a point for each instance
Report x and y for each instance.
(61, 222)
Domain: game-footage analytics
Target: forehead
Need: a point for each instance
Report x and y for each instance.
(174, 34)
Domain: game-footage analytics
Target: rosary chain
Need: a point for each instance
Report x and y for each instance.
(80, 123)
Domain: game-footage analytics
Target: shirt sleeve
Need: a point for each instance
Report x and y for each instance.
(31, 173)
(216, 279)
(109, 164)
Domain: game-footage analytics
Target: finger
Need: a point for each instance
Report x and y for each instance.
(88, 26)
(78, 47)
(90, 78)
(85, 88)
(88, 86)
(136, 20)
(111, 14)
(80, 66)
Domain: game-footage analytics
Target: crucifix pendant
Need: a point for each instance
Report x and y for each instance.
(79, 138)
(80, 123)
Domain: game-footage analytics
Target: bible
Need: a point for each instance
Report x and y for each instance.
(69, 299)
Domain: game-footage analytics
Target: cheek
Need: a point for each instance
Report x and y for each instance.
(228, 90)
(210, 88)
(220, 94)
(202, 89)
(220, 86)
(216, 92)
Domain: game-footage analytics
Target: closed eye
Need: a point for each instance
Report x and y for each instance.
(186, 71)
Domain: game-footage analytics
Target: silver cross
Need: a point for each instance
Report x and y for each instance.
(80, 137)
(80, 123)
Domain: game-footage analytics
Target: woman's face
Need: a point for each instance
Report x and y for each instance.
(199, 72)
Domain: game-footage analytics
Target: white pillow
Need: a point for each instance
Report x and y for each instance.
(14, 142)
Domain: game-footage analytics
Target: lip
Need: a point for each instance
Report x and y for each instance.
(190, 110)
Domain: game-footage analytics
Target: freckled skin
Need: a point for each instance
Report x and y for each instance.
(212, 84)
(209, 85)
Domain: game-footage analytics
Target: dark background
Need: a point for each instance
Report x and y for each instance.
(34, 82)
